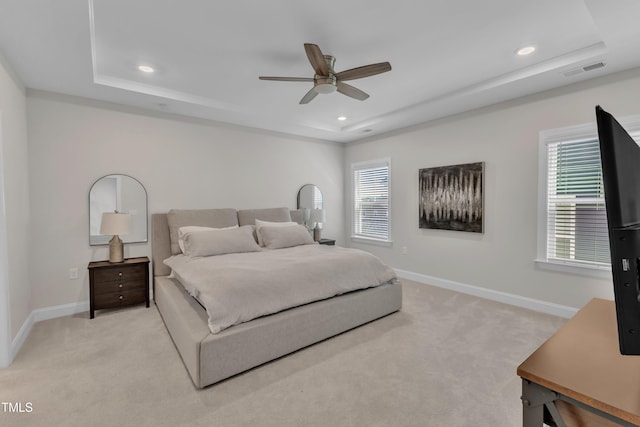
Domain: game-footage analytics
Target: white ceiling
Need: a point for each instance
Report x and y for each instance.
(447, 56)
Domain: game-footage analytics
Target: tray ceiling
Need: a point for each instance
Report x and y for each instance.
(447, 57)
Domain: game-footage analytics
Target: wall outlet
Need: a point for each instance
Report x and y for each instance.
(73, 273)
(404, 250)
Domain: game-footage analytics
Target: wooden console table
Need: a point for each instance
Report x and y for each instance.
(579, 378)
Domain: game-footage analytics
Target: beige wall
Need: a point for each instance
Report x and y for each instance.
(505, 137)
(182, 164)
(13, 143)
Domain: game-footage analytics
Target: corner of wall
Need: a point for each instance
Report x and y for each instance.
(38, 316)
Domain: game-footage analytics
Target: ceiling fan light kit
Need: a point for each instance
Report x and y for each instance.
(326, 84)
(326, 80)
(325, 88)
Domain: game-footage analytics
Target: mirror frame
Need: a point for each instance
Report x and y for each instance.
(142, 239)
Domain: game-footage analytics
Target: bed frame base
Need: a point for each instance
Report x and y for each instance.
(210, 358)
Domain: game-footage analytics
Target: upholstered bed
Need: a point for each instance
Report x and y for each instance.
(209, 356)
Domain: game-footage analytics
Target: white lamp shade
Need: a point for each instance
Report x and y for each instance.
(318, 215)
(115, 224)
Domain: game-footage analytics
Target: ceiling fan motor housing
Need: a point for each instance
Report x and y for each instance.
(326, 84)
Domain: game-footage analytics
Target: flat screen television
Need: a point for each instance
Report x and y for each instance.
(620, 157)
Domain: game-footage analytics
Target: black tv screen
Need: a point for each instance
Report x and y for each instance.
(620, 157)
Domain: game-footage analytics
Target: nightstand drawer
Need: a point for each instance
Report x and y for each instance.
(127, 273)
(116, 299)
(119, 286)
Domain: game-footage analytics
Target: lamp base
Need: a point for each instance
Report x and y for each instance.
(116, 250)
(316, 234)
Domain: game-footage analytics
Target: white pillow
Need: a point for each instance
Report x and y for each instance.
(285, 237)
(183, 231)
(219, 242)
(260, 224)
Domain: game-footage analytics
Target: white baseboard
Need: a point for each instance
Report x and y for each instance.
(21, 336)
(60, 311)
(517, 300)
(44, 314)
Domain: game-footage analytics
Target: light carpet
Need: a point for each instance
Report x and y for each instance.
(446, 359)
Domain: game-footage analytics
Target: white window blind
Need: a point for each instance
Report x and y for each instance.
(576, 215)
(371, 200)
(572, 220)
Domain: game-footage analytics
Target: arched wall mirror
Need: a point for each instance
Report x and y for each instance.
(310, 197)
(120, 193)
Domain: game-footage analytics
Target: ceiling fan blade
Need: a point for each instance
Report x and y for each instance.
(287, 79)
(316, 58)
(309, 96)
(351, 91)
(364, 71)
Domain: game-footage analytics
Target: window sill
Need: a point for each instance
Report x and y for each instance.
(583, 270)
(371, 241)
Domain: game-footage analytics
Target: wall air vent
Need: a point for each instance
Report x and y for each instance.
(578, 70)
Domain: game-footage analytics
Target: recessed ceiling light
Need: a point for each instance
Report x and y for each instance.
(342, 118)
(526, 50)
(146, 69)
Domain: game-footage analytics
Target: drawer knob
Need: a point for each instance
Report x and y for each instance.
(121, 297)
(120, 274)
(120, 285)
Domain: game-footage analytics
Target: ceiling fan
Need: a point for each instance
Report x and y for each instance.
(326, 80)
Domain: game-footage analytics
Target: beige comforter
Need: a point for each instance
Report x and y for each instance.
(236, 288)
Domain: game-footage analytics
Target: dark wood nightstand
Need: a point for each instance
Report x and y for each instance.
(329, 242)
(118, 284)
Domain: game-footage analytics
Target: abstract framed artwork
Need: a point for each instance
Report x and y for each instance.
(452, 197)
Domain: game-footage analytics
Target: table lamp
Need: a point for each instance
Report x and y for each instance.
(115, 224)
(317, 217)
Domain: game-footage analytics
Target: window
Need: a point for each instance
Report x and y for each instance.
(371, 201)
(576, 215)
(572, 222)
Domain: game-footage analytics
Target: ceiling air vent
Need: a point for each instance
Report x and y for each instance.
(590, 67)
(593, 66)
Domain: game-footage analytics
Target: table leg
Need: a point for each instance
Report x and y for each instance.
(534, 399)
